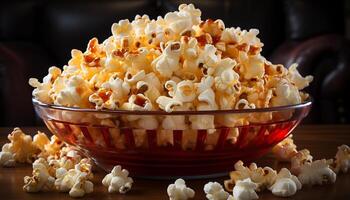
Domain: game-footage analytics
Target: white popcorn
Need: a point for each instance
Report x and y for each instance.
(285, 150)
(139, 24)
(299, 159)
(40, 181)
(121, 30)
(138, 102)
(81, 186)
(286, 94)
(168, 104)
(253, 66)
(118, 180)
(244, 104)
(7, 158)
(41, 91)
(286, 184)
(214, 191)
(75, 94)
(73, 181)
(209, 56)
(342, 159)
(263, 177)
(245, 190)
(299, 81)
(167, 63)
(185, 91)
(183, 20)
(316, 173)
(204, 84)
(179, 191)
(228, 82)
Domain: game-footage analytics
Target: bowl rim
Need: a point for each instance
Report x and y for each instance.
(306, 103)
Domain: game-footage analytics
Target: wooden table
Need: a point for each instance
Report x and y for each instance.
(321, 140)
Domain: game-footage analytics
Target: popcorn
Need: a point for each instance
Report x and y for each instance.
(175, 62)
(42, 90)
(40, 140)
(21, 147)
(75, 94)
(214, 191)
(299, 81)
(342, 159)
(299, 159)
(118, 180)
(73, 181)
(184, 20)
(167, 63)
(7, 158)
(168, 104)
(286, 184)
(317, 173)
(179, 191)
(263, 177)
(245, 190)
(81, 186)
(285, 150)
(40, 181)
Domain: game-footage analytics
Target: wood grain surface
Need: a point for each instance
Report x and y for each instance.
(321, 140)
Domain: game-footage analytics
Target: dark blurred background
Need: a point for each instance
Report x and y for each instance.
(36, 34)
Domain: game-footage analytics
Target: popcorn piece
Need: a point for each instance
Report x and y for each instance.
(286, 94)
(317, 173)
(7, 158)
(299, 159)
(21, 146)
(81, 186)
(214, 191)
(40, 181)
(184, 19)
(263, 177)
(167, 63)
(118, 180)
(285, 150)
(342, 159)
(299, 81)
(168, 104)
(179, 191)
(286, 184)
(245, 190)
(73, 181)
(42, 90)
(75, 93)
(40, 140)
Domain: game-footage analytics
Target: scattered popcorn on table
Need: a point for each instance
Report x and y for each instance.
(263, 177)
(179, 191)
(299, 159)
(342, 159)
(286, 184)
(81, 186)
(285, 150)
(317, 173)
(245, 190)
(118, 180)
(7, 159)
(214, 191)
(20, 149)
(41, 179)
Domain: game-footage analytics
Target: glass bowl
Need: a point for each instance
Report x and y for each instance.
(119, 138)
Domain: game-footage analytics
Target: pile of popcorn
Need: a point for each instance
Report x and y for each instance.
(173, 63)
(59, 167)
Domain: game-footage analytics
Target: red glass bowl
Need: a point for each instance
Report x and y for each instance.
(109, 139)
